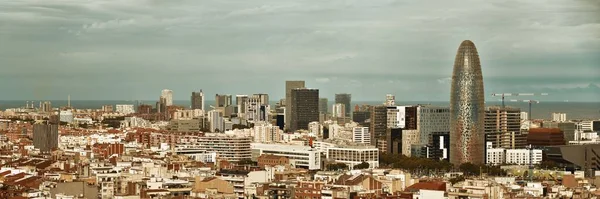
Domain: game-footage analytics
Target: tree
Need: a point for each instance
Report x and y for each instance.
(469, 169)
(457, 179)
(362, 165)
(337, 166)
(246, 162)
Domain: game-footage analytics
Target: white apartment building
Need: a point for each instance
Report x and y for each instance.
(361, 135)
(315, 129)
(266, 133)
(521, 156)
(323, 146)
(354, 155)
(188, 114)
(339, 110)
(125, 108)
(215, 117)
(498, 156)
(586, 125)
(524, 116)
(409, 138)
(431, 119)
(256, 108)
(299, 156)
(559, 117)
(231, 148)
(66, 116)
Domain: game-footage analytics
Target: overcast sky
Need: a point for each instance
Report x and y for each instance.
(132, 49)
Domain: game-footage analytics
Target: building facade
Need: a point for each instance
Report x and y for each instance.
(353, 156)
(167, 95)
(45, 136)
(289, 86)
(503, 128)
(198, 100)
(346, 99)
(361, 135)
(467, 107)
(304, 108)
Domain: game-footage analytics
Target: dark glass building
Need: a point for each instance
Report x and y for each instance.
(304, 108)
(467, 107)
(198, 100)
(346, 99)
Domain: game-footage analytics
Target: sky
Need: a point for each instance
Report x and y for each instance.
(132, 49)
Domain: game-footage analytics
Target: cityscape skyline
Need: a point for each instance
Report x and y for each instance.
(367, 49)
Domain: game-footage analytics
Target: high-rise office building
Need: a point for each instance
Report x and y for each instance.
(45, 135)
(467, 107)
(240, 101)
(378, 125)
(432, 120)
(256, 108)
(361, 135)
(222, 100)
(289, 86)
(168, 96)
(198, 100)
(323, 106)
(503, 128)
(346, 99)
(125, 108)
(304, 108)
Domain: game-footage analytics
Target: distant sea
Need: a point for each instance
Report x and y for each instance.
(543, 110)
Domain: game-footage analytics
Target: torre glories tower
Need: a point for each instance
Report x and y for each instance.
(467, 107)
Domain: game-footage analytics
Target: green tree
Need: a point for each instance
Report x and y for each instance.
(337, 166)
(457, 179)
(246, 162)
(362, 165)
(469, 169)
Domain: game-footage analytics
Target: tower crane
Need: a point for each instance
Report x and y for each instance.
(503, 95)
(530, 103)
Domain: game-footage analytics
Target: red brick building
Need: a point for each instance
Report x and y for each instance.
(545, 137)
(107, 150)
(272, 160)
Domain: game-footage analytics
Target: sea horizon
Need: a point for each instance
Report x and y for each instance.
(542, 110)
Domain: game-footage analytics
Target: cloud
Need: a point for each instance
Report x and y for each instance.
(323, 80)
(388, 45)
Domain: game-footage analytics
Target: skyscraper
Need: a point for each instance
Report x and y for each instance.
(168, 96)
(323, 105)
(45, 135)
(467, 107)
(240, 101)
(289, 86)
(338, 110)
(198, 100)
(344, 98)
(304, 108)
(222, 100)
(378, 125)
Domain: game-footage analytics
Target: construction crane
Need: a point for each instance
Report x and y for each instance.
(503, 95)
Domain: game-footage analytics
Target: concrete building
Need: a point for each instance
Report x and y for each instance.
(66, 116)
(524, 116)
(198, 100)
(266, 133)
(46, 106)
(378, 125)
(188, 114)
(240, 101)
(404, 117)
(222, 100)
(289, 86)
(354, 155)
(522, 156)
(390, 100)
(231, 148)
(45, 136)
(304, 108)
(256, 108)
(432, 120)
(125, 108)
(167, 95)
(315, 129)
(503, 128)
(215, 117)
(299, 156)
(346, 99)
(559, 117)
(494, 156)
(361, 135)
(338, 110)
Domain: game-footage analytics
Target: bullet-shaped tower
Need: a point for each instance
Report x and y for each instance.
(467, 107)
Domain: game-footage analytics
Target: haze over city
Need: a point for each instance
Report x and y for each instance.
(132, 49)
